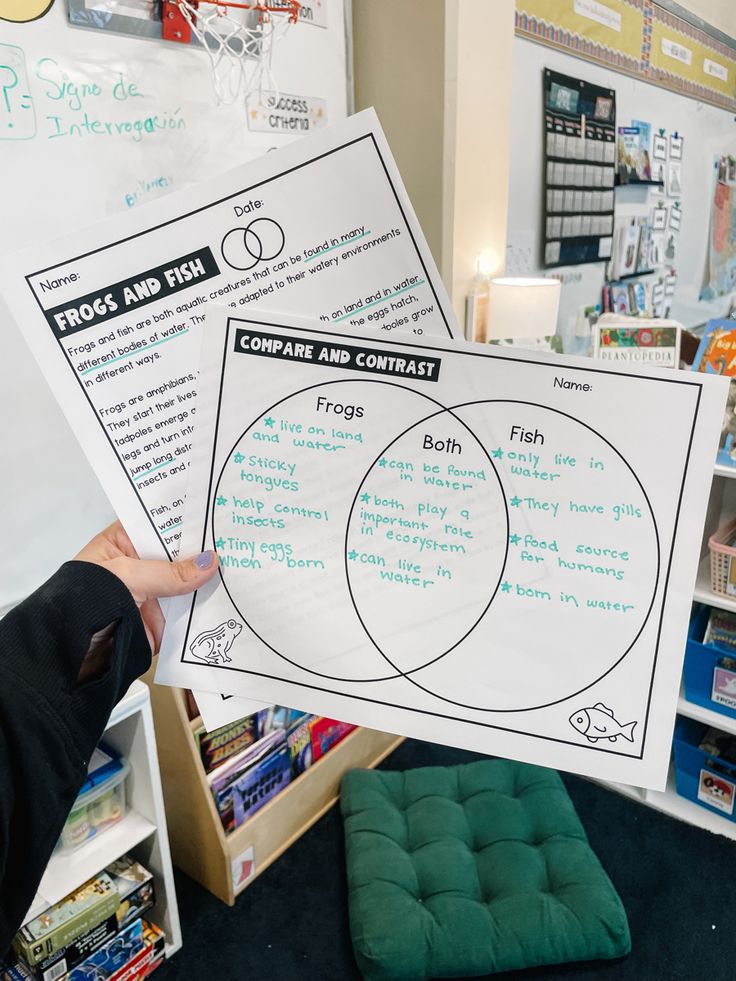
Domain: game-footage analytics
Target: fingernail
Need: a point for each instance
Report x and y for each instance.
(204, 559)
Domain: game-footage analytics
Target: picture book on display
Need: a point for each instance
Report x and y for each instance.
(716, 355)
(630, 158)
(645, 148)
(625, 255)
(717, 351)
(645, 341)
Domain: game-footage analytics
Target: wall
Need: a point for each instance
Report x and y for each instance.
(398, 59)
(437, 73)
(707, 131)
(718, 13)
(478, 61)
(52, 502)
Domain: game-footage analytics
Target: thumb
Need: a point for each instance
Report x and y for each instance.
(149, 579)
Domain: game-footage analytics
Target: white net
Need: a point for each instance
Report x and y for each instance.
(239, 44)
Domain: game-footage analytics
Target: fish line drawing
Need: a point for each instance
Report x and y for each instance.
(598, 722)
(212, 646)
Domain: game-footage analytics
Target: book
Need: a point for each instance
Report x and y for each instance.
(61, 924)
(643, 263)
(235, 765)
(299, 741)
(135, 887)
(58, 964)
(224, 782)
(218, 746)
(327, 733)
(278, 717)
(133, 954)
(626, 250)
(645, 148)
(620, 299)
(721, 631)
(716, 353)
(260, 783)
(637, 341)
(629, 153)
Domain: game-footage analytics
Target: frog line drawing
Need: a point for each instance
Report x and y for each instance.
(212, 646)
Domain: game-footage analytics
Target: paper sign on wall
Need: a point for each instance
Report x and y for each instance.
(440, 541)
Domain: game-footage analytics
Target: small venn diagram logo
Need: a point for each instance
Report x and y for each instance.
(260, 241)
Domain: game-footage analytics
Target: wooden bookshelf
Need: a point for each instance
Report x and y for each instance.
(199, 844)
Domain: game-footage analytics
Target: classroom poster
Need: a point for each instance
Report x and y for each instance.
(490, 549)
(720, 276)
(579, 170)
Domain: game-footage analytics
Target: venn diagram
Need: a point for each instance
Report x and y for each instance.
(496, 555)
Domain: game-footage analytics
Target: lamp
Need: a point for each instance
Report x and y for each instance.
(521, 307)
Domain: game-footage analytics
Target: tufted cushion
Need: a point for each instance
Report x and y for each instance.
(468, 870)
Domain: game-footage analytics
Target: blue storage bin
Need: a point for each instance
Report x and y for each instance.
(709, 781)
(701, 661)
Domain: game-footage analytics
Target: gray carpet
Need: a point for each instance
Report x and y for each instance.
(677, 883)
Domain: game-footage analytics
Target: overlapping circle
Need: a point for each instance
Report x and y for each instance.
(412, 638)
(260, 241)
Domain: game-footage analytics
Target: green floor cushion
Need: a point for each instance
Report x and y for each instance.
(469, 870)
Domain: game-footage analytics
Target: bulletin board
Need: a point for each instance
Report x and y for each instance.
(640, 38)
(708, 133)
(580, 166)
(94, 123)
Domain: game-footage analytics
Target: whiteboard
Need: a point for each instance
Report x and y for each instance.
(708, 132)
(99, 124)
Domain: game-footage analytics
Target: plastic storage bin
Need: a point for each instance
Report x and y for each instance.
(721, 554)
(100, 806)
(709, 781)
(699, 676)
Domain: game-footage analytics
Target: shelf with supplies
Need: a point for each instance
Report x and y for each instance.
(618, 183)
(704, 594)
(64, 873)
(670, 802)
(717, 720)
(142, 832)
(722, 503)
(227, 863)
(635, 275)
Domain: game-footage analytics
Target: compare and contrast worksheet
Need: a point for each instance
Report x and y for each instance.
(490, 549)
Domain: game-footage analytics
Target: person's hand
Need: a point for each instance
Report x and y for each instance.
(148, 579)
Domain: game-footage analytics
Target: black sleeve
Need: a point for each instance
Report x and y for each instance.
(49, 725)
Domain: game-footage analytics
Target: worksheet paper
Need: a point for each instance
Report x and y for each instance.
(218, 710)
(490, 550)
(321, 228)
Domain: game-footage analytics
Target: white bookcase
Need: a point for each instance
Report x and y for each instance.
(722, 505)
(142, 832)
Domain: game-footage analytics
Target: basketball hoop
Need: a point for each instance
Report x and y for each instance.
(240, 48)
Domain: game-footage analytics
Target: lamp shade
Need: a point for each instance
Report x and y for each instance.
(521, 307)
